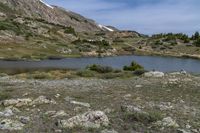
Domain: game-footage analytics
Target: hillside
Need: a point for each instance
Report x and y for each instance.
(32, 29)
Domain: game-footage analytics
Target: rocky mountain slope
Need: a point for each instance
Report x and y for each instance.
(53, 14)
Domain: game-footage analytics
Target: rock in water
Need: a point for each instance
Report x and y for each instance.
(91, 119)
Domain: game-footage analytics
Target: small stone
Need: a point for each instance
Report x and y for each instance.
(80, 103)
(188, 126)
(24, 119)
(138, 86)
(57, 95)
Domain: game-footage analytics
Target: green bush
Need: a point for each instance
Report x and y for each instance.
(133, 67)
(197, 42)
(100, 69)
(70, 30)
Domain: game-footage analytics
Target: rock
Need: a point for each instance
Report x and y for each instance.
(27, 101)
(127, 96)
(6, 113)
(108, 131)
(8, 124)
(138, 86)
(182, 131)
(57, 95)
(81, 103)
(91, 119)
(165, 106)
(43, 100)
(17, 102)
(155, 74)
(60, 113)
(167, 122)
(24, 120)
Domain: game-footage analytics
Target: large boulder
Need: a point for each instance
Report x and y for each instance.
(91, 119)
(155, 74)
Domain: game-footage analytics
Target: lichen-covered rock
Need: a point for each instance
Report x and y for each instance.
(155, 74)
(7, 113)
(167, 122)
(43, 100)
(17, 102)
(8, 124)
(24, 119)
(91, 119)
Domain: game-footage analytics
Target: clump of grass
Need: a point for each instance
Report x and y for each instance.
(4, 95)
(41, 75)
(145, 118)
(86, 73)
(133, 67)
(100, 69)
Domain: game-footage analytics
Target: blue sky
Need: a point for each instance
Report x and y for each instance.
(144, 16)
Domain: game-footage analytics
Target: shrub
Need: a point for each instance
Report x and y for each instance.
(133, 67)
(70, 30)
(100, 69)
(197, 42)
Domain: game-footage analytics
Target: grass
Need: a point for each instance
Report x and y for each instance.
(4, 95)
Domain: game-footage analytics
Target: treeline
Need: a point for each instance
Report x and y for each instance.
(195, 38)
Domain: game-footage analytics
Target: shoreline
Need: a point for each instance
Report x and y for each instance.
(138, 53)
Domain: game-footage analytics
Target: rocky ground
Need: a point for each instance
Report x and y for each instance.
(152, 103)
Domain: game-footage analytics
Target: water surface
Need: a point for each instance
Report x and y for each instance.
(165, 64)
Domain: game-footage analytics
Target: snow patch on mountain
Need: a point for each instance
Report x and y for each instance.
(47, 4)
(104, 27)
